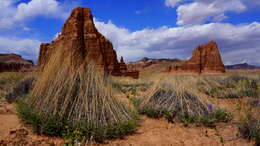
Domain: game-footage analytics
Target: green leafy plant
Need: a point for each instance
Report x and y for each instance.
(249, 127)
(81, 132)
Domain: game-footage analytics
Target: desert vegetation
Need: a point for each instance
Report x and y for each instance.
(191, 99)
(76, 103)
(173, 99)
(176, 98)
(8, 80)
(233, 86)
(250, 126)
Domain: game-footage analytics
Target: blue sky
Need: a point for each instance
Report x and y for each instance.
(140, 28)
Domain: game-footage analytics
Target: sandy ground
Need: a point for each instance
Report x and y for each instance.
(154, 132)
(151, 132)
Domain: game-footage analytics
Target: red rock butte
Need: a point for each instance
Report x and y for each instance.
(79, 31)
(205, 59)
(14, 63)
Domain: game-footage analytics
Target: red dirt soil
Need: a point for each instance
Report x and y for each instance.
(151, 132)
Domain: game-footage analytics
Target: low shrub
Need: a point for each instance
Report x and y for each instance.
(209, 119)
(250, 128)
(20, 89)
(129, 87)
(9, 79)
(234, 86)
(47, 125)
(81, 132)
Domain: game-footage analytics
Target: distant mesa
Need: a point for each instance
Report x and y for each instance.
(79, 31)
(205, 59)
(150, 64)
(14, 63)
(241, 66)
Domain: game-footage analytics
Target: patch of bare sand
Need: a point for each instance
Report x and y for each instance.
(153, 132)
(14, 133)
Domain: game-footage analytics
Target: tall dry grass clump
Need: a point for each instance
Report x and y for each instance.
(74, 92)
(175, 98)
(171, 95)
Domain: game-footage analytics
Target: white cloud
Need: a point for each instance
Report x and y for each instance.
(28, 48)
(12, 13)
(171, 3)
(236, 42)
(201, 11)
(37, 7)
(7, 10)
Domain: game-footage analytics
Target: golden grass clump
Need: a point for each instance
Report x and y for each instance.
(176, 98)
(172, 95)
(70, 88)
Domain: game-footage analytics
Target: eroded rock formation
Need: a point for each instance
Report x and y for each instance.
(125, 71)
(79, 32)
(205, 59)
(14, 63)
(122, 64)
(153, 65)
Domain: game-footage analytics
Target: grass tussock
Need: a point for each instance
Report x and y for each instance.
(249, 127)
(174, 100)
(9, 80)
(21, 89)
(130, 87)
(71, 90)
(232, 86)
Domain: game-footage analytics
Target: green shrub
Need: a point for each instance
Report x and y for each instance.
(207, 119)
(136, 102)
(81, 132)
(131, 88)
(152, 112)
(250, 128)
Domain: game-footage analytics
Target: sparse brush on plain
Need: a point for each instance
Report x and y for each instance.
(233, 86)
(21, 89)
(249, 127)
(8, 80)
(72, 93)
(130, 86)
(173, 99)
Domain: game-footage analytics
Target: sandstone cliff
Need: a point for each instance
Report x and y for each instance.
(14, 63)
(205, 59)
(79, 33)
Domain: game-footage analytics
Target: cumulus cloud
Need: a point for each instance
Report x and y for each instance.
(238, 43)
(171, 3)
(28, 48)
(37, 7)
(194, 12)
(7, 9)
(11, 12)
(201, 11)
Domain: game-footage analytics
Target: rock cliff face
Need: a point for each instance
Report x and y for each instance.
(122, 64)
(127, 72)
(14, 63)
(150, 64)
(79, 33)
(205, 59)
